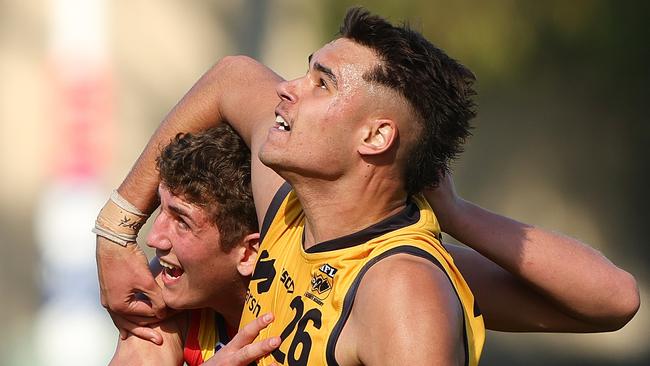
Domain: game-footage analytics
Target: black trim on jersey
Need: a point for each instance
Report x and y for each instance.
(408, 216)
(222, 330)
(477, 309)
(280, 195)
(352, 292)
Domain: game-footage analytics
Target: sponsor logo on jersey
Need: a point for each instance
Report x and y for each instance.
(328, 270)
(286, 280)
(265, 271)
(320, 284)
(322, 280)
(252, 304)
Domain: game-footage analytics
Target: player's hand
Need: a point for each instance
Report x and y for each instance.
(240, 351)
(124, 277)
(140, 327)
(444, 201)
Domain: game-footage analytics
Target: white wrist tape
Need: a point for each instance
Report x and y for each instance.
(119, 221)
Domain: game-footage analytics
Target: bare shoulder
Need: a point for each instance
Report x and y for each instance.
(402, 276)
(409, 309)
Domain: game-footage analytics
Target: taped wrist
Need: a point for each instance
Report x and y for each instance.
(119, 221)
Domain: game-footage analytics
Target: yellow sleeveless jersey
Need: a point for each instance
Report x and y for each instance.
(311, 292)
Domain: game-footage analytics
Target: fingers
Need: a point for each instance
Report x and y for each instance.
(151, 289)
(147, 302)
(136, 308)
(127, 327)
(146, 333)
(251, 330)
(123, 272)
(256, 350)
(154, 293)
(240, 351)
(141, 320)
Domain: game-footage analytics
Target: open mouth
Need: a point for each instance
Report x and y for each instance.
(171, 271)
(281, 124)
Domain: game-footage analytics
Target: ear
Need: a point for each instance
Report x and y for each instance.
(378, 137)
(248, 254)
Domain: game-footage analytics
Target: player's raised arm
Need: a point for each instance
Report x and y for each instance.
(238, 90)
(564, 285)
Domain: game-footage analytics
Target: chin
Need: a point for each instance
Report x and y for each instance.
(175, 302)
(274, 162)
(172, 302)
(266, 155)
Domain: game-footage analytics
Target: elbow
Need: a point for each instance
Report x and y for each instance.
(234, 60)
(623, 305)
(232, 65)
(630, 300)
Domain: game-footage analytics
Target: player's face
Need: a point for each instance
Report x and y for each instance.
(318, 118)
(195, 270)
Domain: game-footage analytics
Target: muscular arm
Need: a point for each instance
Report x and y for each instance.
(238, 90)
(419, 321)
(563, 284)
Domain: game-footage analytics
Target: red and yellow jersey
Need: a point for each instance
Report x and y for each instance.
(206, 334)
(311, 292)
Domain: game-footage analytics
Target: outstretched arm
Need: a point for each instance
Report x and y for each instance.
(563, 284)
(238, 90)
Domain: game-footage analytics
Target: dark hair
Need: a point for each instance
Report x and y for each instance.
(212, 170)
(438, 88)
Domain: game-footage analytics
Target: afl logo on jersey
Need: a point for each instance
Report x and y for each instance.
(322, 281)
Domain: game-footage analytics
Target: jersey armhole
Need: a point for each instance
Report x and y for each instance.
(280, 195)
(352, 292)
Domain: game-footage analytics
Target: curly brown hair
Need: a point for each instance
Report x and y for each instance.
(439, 89)
(212, 170)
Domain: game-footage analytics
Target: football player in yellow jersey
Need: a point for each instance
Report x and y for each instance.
(344, 138)
(200, 240)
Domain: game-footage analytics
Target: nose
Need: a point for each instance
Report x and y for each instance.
(157, 237)
(287, 91)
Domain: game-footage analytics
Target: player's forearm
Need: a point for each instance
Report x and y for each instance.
(573, 275)
(236, 89)
(247, 96)
(196, 111)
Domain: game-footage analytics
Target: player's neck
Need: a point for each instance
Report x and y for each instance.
(336, 209)
(232, 318)
(231, 302)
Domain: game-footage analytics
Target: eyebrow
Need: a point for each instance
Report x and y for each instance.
(325, 70)
(180, 211)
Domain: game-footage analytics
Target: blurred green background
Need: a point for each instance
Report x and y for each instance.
(561, 140)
